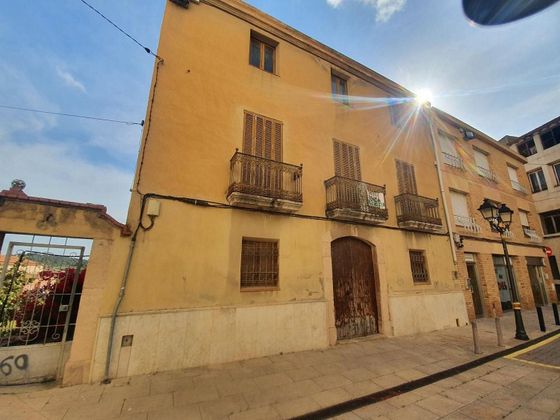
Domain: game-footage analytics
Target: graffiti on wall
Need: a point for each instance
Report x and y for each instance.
(20, 362)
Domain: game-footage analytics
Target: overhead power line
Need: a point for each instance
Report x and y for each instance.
(120, 29)
(87, 117)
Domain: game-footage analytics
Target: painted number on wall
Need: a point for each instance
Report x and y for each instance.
(20, 362)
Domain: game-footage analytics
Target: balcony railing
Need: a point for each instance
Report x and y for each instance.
(468, 223)
(518, 187)
(351, 199)
(532, 234)
(454, 161)
(486, 173)
(418, 212)
(256, 181)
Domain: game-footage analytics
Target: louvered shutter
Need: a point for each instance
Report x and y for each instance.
(406, 178)
(248, 133)
(347, 160)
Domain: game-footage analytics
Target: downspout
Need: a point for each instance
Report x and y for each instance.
(431, 117)
(122, 289)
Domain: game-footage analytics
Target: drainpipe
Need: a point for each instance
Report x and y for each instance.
(122, 289)
(435, 145)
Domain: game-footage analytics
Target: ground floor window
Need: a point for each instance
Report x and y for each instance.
(419, 267)
(259, 263)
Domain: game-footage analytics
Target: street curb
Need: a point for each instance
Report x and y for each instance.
(385, 394)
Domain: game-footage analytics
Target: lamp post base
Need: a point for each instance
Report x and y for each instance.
(520, 333)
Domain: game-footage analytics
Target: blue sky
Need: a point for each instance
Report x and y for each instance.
(60, 56)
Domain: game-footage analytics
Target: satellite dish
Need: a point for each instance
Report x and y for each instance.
(498, 12)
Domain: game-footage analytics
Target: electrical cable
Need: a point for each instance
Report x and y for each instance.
(121, 30)
(40, 111)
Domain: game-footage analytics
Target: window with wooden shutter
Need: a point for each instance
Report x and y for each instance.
(419, 267)
(262, 137)
(347, 160)
(259, 263)
(406, 178)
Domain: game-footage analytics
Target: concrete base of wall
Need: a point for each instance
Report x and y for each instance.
(33, 363)
(412, 314)
(197, 337)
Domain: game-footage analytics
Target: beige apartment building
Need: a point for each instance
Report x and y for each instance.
(540, 148)
(476, 167)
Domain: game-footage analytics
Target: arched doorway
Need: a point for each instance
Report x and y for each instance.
(355, 301)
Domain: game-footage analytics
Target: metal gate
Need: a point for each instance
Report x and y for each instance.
(40, 289)
(354, 288)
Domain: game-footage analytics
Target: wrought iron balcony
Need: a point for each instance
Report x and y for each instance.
(532, 234)
(518, 187)
(468, 223)
(486, 173)
(453, 161)
(264, 183)
(417, 212)
(350, 199)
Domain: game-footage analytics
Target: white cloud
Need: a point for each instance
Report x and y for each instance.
(384, 9)
(55, 171)
(70, 80)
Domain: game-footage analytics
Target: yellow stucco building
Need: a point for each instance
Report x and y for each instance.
(285, 197)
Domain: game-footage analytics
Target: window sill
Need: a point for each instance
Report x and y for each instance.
(264, 71)
(259, 289)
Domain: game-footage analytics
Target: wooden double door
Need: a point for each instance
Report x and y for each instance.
(355, 300)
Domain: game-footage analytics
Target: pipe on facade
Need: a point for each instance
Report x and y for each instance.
(431, 118)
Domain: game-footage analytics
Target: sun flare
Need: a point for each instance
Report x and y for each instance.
(424, 96)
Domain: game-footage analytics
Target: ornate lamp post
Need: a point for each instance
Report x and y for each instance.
(499, 219)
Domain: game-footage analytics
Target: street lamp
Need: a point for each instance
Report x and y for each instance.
(499, 219)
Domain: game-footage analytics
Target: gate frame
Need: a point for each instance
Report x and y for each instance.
(81, 249)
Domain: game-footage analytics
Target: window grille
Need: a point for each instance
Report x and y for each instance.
(418, 266)
(259, 263)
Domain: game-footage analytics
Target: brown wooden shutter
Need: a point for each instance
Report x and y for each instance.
(406, 178)
(262, 137)
(346, 160)
(248, 133)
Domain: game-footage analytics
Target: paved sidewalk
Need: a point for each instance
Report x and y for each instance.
(279, 386)
(502, 388)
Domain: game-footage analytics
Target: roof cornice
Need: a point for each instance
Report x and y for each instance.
(285, 32)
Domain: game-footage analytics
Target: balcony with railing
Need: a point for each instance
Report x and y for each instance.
(417, 212)
(486, 173)
(467, 223)
(453, 161)
(518, 187)
(532, 234)
(264, 183)
(350, 199)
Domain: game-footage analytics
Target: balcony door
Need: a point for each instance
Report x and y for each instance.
(262, 138)
(354, 288)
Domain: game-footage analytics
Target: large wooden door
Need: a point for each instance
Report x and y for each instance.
(354, 288)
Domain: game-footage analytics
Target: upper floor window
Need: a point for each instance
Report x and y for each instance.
(339, 86)
(262, 52)
(524, 218)
(406, 178)
(556, 169)
(449, 151)
(515, 184)
(460, 208)
(347, 160)
(483, 165)
(538, 182)
(397, 111)
(262, 136)
(551, 137)
(551, 222)
(527, 148)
